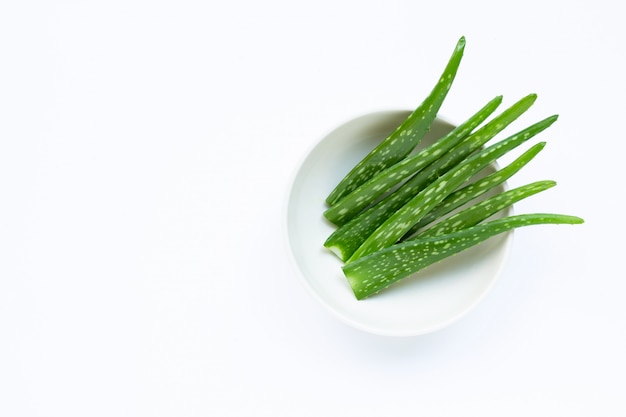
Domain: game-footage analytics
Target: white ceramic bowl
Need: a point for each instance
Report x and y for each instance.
(427, 301)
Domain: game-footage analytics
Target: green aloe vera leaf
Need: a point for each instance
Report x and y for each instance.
(480, 211)
(476, 189)
(371, 274)
(405, 138)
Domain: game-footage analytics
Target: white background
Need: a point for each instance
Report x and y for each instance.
(146, 149)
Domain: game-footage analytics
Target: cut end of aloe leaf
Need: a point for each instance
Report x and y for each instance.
(336, 250)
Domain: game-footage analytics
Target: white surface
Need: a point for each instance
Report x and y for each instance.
(145, 153)
(430, 299)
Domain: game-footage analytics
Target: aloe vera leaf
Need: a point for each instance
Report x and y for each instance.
(372, 273)
(402, 220)
(405, 138)
(368, 192)
(348, 237)
(478, 212)
(476, 189)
